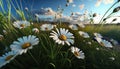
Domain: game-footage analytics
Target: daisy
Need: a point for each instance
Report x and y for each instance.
(7, 57)
(98, 35)
(46, 27)
(84, 34)
(76, 51)
(5, 32)
(1, 37)
(98, 39)
(21, 24)
(24, 43)
(106, 43)
(73, 27)
(35, 30)
(62, 36)
(112, 58)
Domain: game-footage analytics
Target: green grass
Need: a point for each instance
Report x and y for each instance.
(47, 54)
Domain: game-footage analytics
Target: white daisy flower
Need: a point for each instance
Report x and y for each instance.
(97, 49)
(98, 35)
(76, 51)
(1, 37)
(112, 58)
(103, 42)
(84, 34)
(35, 30)
(46, 27)
(106, 43)
(62, 36)
(115, 42)
(7, 57)
(89, 43)
(73, 27)
(24, 43)
(21, 24)
(5, 32)
(98, 39)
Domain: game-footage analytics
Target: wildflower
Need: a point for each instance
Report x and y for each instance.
(114, 42)
(112, 58)
(73, 27)
(7, 57)
(89, 43)
(21, 24)
(24, 43)
(106, 43)
(26, 9)
(76, 51)
(46, 27)
(62, 36)
(1, 37)
(84, 34)
(116, 9)
(98, 35)
(35, 30)
(97, 49)
(98, 39)
(5, 32)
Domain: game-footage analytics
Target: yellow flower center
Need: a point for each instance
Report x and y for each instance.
(76, 53)
(26, 45)
(46, 28)
(22, 25)
(9, 57)
(101, 43)
(62, 37)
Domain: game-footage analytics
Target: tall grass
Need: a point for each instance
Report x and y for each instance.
(50, 55)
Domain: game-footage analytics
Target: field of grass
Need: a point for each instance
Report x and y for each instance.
(50, 55)
(46, 45)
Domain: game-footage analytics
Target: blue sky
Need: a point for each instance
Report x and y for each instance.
(89, 5)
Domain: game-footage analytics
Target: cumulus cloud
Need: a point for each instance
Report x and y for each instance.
(110, 20)
(98, 2)
(81, 6)
(49, 11)
(43, 11)
(108, 1)
(73, 5)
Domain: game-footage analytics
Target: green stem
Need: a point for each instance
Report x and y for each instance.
(33, 57)
(18, 63)
(107, 12)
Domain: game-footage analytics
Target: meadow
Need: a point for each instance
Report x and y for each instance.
(57, 45)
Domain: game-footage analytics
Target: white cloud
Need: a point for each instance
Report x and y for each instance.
(73, 5)
(110, 20)
(49, 11)
(98, 3)
(81, 6)
(108, 1)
